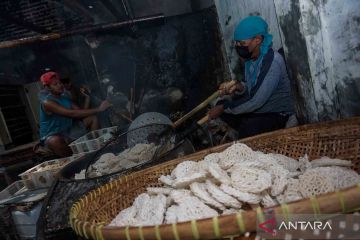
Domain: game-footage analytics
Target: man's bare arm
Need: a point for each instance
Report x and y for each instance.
(53, 107)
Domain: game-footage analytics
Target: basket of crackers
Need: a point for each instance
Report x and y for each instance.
(225, 191)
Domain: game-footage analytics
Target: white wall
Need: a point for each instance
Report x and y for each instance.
(329, 32)
(230, 12)
(340, 22)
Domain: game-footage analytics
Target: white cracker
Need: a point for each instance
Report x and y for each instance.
(313, 184)
(187, 180)
(266, 160)
(219, 174)
(341, 177)
(234, 154)
(288, 163)
(145, 211)
(171, 214)
(242, 196)
(291, 193)
(179, 195)
(250, 179)
(294, 174)
(212, 158)
(249, 164)
(304, 163)
(189, 208)
(279, 178)
(106, 157)
(267, 201)
(125, 218)
(194, 209)
(109, 163)
(152, 213)
(222, 197)
(326, 161)
(158, 190)
(141, 200)
(140, 153)
(185, 169)
(166, 179)
(199, 190)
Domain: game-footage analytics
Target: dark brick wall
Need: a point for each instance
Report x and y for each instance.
(182, 53)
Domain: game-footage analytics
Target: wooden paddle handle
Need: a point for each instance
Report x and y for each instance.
(203, 120)
(196, 109)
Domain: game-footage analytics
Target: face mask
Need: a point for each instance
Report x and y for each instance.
(243, 51)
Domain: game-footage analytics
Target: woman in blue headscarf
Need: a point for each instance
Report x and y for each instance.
(263, 101)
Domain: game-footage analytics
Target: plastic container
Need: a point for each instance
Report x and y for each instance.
(25, 221)
(11, 190)
(92, 141)
(43, 175)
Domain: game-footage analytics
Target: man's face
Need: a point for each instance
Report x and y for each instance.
(56, 86)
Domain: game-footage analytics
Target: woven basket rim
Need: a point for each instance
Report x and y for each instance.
(98, 230)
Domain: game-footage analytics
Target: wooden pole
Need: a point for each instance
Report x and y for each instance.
(197, 109)
(54, 36)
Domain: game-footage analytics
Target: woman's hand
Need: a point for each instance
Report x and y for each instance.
(230, 87)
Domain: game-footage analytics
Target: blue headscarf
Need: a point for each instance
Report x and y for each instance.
(248, 28)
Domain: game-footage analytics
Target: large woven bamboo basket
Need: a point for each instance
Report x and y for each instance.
(338, 139)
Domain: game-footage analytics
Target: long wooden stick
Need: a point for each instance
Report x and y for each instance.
(196, 109)
(203, 120)
(201, 106)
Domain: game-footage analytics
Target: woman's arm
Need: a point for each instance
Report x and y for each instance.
(264, 92)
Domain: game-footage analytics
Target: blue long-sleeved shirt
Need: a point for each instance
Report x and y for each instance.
(271, 93)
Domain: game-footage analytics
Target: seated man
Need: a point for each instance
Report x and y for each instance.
(57, 115)
(263, 102)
